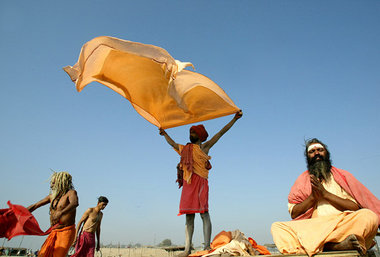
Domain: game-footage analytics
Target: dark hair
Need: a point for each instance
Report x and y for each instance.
(102, 199)
(315, 141)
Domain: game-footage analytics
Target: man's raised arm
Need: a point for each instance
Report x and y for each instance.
(169, 139)
(207, 145)
(38, 204)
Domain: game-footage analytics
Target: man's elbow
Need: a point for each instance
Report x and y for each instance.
(294, 215)
(74, 204)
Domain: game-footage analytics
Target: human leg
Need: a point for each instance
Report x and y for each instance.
(286, 239)
(189, 230)
(350, 243)
(359, 227)
(207, 228)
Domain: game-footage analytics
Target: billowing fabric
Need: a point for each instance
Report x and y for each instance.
(310, 235)
(155, 84)
(193, 160)
(58, 243)
(194, 197)
(302, 189)
(200, 131)
(85, 246)
(17, 220)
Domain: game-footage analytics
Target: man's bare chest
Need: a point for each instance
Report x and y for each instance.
(59, 204)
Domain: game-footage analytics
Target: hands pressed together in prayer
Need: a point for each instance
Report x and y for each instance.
(317, 190)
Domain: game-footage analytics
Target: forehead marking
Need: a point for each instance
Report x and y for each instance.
(317, 145)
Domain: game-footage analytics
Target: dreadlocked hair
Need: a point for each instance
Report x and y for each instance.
(62, 184)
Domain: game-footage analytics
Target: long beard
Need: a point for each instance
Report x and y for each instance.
(320, 169)
(54, 193)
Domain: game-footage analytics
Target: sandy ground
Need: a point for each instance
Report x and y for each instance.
(132, 252)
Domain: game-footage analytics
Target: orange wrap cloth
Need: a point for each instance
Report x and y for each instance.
(58, 242)
(157, 86)
(194, 196)
(193, 160)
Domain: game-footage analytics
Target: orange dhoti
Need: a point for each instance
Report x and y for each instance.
(309, 235)
(58, 242)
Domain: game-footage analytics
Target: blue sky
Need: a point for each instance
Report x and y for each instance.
(297, 69)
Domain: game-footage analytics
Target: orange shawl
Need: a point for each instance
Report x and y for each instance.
(193, 160)
(302, 189)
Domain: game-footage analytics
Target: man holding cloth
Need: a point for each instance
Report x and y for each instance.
(195, 166)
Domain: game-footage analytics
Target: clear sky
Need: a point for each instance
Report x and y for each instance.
(298, 69)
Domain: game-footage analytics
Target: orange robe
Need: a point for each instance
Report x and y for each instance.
(309, 232)
(58, 242)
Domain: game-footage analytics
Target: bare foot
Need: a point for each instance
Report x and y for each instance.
(184, 254)
(350, 243)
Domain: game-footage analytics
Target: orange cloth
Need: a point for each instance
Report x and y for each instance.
(199, 162)
(155, 84)
(261, 249)
(309, 235)
(223, 238)
(233, 243)
(58, 242)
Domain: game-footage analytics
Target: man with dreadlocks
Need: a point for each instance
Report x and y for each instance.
(63, 201)
(330, 208)
(195, 165)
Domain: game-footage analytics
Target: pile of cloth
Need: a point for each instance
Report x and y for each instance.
(233, 243)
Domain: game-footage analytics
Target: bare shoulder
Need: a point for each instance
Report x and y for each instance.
(72, 193)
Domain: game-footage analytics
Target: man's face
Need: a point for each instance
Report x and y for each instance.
(102, 205)
(193, 137)
(316, 152)
(52, 184)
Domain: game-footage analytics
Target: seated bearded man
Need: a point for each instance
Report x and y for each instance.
(330, 208)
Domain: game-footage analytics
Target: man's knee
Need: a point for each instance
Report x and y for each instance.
(205, 215)
(275, 226)
(369, 218)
